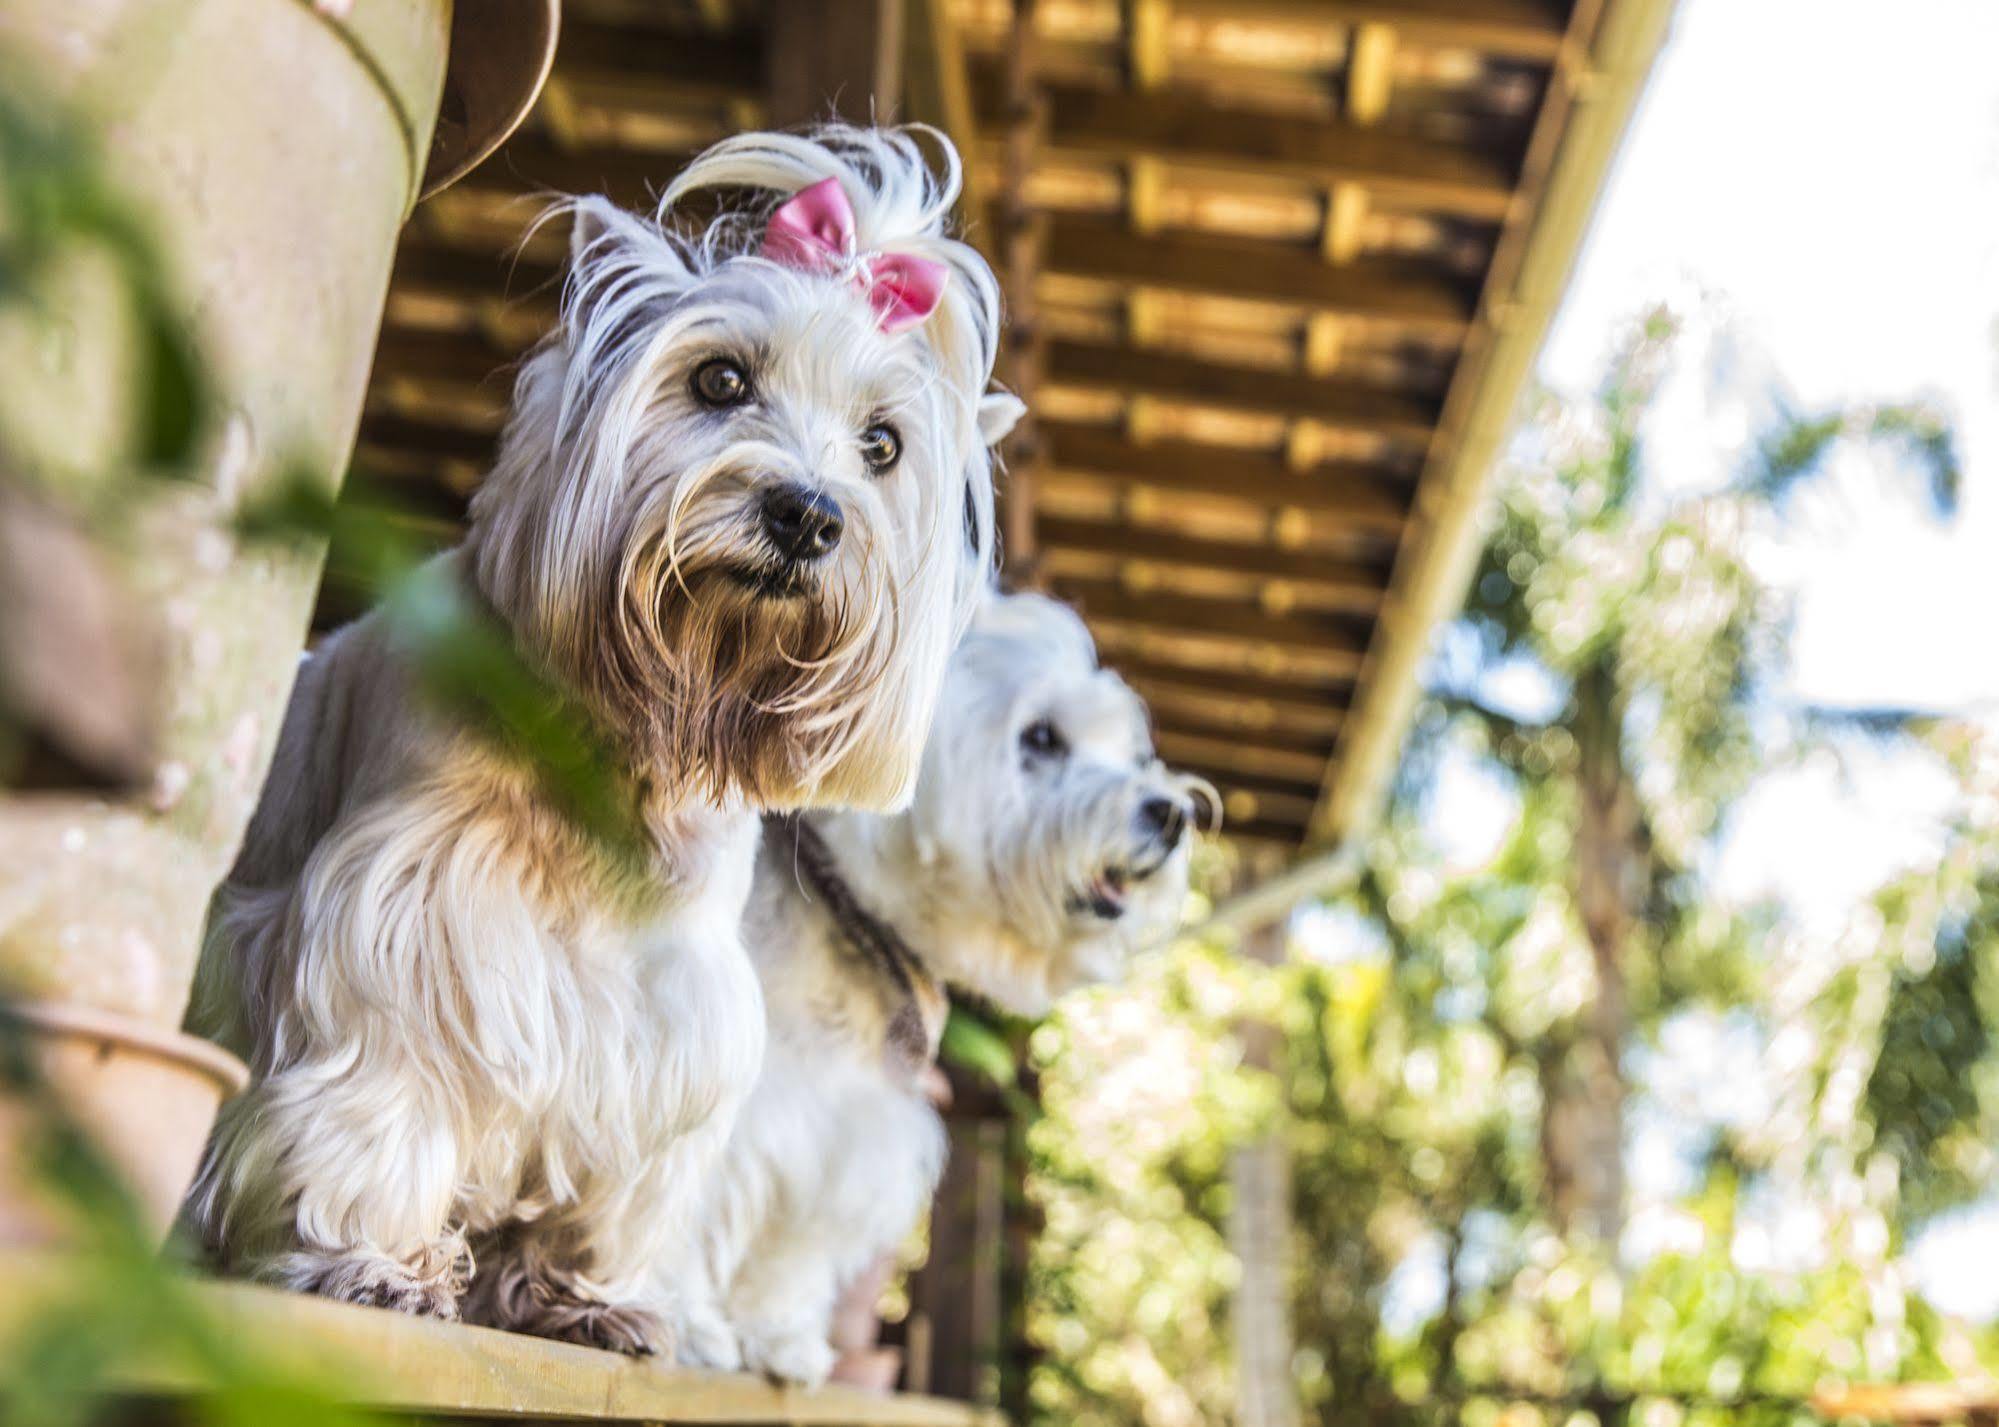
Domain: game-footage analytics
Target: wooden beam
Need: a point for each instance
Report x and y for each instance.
(1148, 54)
(457, 358)
(1395, 290)
(1364, 584)
(1235, 756)
(1512, 29)
(1345, 230)
(1237, 619)
(697, 66)
(1361, 495)
(1020, 238)
(1574, 139)
(1308, 695)
(427, 439)
(1250, 782)
(1266, 808)
(423, 1368)
(1245, 807)
(939, 88)
(1370, 71)
(530, 164)
(833, 57)
(1138, 371)
(1245, 717)
(1183, 127)
(1203, 724)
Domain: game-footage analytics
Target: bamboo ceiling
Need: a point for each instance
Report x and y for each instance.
(1248, 245)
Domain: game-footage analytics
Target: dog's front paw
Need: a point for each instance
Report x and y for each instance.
(571, 1317)
(788, 1354)
(429, 1286)
(704, 1339)
(615, 1327)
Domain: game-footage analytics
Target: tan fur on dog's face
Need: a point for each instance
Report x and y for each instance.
(626, 534)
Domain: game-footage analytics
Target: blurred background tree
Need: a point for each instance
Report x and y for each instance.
(1473, 1055)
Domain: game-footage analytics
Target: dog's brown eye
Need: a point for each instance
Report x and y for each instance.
(1043, 739)
(721, 383)
(881, 446)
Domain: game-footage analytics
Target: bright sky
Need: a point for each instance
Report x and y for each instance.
(1828, 170)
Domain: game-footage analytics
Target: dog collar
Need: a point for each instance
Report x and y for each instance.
(918, 1020)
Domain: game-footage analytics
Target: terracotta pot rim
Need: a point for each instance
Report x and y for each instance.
(88, 1022)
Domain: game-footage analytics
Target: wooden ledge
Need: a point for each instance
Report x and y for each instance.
(390, 1362)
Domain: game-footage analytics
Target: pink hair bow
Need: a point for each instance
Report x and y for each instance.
(814, 230)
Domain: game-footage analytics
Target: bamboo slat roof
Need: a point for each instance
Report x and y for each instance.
(1255, 250)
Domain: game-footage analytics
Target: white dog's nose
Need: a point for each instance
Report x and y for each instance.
(800, 523)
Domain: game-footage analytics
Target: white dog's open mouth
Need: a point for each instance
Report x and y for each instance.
(1107, 893)
(1104, 896)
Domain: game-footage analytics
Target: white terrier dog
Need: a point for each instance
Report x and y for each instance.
(1045, 844)
(740, 514)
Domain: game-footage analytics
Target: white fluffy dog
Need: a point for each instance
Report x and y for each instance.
(740, 514)
(1045, 844)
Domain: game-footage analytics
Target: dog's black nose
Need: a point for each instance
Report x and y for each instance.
(1166, 819)
(801, 523)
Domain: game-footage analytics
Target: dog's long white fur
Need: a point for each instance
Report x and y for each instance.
(486, 1054)
(987, 877)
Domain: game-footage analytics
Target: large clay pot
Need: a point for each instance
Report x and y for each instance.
(276, 146)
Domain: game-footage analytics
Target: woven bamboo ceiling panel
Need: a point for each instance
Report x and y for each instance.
(1247, 245)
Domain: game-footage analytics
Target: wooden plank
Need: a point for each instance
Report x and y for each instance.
(452, 358)
(1371, 77)
(1020, 234)
(1280, 837)
(693, 66)
(1137, 371)
(957, 1290)
(1395, 290)
(1296, 629)
(427, 439)
(1362, 585)
(529, 163)
(940, 92)
(1250, 717)
(1210, 722)
(1185, 127)
(379, 1359)
(833, 57)
(1262, 784)
(1512, 29)
(1234, 756)
(1307, 697)
(1315, 669)
(1243, 808)
(1359, 495)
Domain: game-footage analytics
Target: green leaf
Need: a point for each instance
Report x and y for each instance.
(970, 1043)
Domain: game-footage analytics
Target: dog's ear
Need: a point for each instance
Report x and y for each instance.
(999, 412)
(598, 228)
(624, 273)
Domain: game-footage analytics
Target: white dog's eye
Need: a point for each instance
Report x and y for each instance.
(721, 383)
(881, 447)
(1043, 739)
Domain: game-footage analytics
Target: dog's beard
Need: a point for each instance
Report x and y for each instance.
(744, 676)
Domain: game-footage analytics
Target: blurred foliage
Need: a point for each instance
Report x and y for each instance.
(466, 661)
(1477, 1053)
(118, 1302)
(55, 202)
